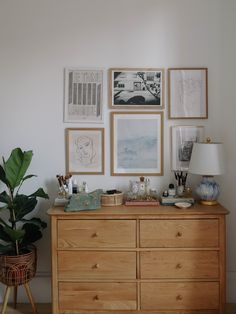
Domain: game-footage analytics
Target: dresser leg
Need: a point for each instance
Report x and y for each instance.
(6, 297)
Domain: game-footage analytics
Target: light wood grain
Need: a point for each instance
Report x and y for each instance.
(198, 233)
(96, 265)
(30, 297)
(129, 212)
(176, 264)
(46, 308)
(222, 265)
(5, 300)
(54, 265)
(174, 258)
(182, 295)
(96, 233)
(97, 296)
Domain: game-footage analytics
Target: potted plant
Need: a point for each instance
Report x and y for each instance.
(18, 231)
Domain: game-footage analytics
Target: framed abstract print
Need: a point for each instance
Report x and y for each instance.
(188, 95)
(83, 92)
(136, 143)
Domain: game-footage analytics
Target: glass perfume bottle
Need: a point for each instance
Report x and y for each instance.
(142, 186)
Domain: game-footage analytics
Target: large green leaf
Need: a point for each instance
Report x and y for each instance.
(29, 176)
(4, 198)
(3, 222)
(14, 235)
(32, 234)
(36, 221)
(4, 235)
(3, 176)
(7, 249)
(40, 193)
(23, 205)
(3, 207)
(16, 166)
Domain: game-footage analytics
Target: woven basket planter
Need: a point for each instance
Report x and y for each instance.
(19, 269)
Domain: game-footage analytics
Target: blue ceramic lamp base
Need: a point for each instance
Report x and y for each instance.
(208, 190)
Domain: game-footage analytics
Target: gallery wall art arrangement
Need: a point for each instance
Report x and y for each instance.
(136, 99)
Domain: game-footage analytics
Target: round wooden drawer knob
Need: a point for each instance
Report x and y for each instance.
(179, 234)
(95, 235)
(96, 297)
(179, 297)
(179, 266)
(96, 266)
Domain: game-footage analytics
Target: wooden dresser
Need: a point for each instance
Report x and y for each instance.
(139, 260)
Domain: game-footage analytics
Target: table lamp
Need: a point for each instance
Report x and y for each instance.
(207, 159)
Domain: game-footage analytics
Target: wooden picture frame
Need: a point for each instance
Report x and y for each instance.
(136, 143)
(136, 88)
(182, 139)
(85, 150)
(188, 93)
(83, 95)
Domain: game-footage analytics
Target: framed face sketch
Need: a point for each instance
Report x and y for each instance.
(136, 88)
(188, 95)
(136, 143)
(85, 151)
(182, 139)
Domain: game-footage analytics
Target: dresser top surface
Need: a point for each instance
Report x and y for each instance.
(142, 211)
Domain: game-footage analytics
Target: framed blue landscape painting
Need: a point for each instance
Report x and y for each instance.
(137, 143)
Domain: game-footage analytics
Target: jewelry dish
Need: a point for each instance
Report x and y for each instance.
(183, 204)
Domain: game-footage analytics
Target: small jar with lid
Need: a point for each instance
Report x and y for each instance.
(171, 190)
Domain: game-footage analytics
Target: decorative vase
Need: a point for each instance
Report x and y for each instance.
(208, 190)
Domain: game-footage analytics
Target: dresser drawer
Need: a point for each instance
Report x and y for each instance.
(196, 233)
(96, 233)
(180, 295)
(96, 265)
(175, 264)
(97, 296)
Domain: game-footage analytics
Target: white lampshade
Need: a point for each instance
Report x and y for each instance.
(207, 159)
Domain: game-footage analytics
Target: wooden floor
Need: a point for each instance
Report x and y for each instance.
(42, 308)
(46, 309)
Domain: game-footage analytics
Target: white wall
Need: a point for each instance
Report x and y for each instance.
(39, 38)
(227, 128)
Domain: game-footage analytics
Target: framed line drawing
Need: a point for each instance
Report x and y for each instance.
(136, 88)
(136, 143)
(188, 93)
(85, 150)
(182, 140)
(83, 92)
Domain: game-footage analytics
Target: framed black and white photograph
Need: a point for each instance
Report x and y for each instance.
(182, 140)
(136, 143)
(83, 91)
(85, 150)
(136, 88)
(188, 93)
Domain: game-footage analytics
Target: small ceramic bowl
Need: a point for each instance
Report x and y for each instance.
(183, 204)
